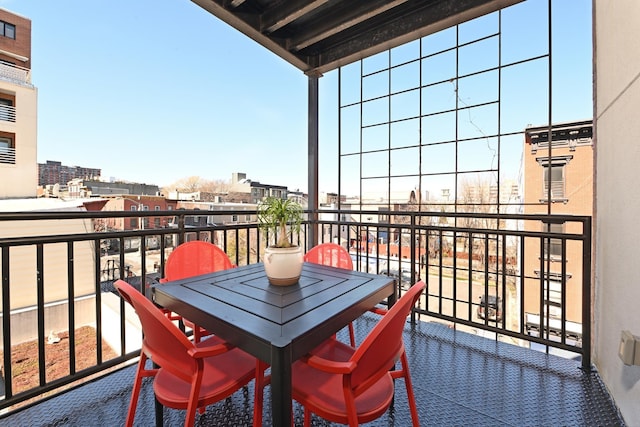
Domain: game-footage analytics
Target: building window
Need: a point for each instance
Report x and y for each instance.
(7, 30)
(556, 180)
(134, 221)
(157, 208)
(7, 112)
(553, 247)
(234, 218)
(553, 174)
(156, 222)
(553, 298)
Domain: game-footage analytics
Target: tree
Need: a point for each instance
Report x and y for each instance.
(196, 183)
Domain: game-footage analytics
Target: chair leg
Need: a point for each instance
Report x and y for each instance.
(135, 393)
(307, 417)
(409, 386)
(258, 397)
(352, 335)
(196, 382)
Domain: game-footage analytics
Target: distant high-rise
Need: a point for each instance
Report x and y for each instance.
(53, 172)
(18, 112)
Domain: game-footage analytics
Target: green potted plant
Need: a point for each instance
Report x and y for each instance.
(280, 218)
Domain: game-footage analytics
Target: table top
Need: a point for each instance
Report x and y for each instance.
(241, 307)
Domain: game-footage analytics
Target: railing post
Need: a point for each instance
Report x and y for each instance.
(412, 251)
(180, 229)
(586, 295)
(6, 324)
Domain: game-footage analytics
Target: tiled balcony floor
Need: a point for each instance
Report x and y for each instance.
(459, 379)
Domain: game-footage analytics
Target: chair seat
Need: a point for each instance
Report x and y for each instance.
(323, 392)
(353, 386)
(223, 375)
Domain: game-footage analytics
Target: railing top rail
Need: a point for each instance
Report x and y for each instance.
(541, 217)
(39, 215)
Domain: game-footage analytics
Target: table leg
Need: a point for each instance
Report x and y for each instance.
(281, 406)
(158, 408)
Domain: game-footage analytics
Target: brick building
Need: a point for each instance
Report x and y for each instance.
(53, 172)
(18, 106)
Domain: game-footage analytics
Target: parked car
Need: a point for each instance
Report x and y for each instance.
(490, 308)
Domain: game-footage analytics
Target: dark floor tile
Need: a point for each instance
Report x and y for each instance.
(459, 379)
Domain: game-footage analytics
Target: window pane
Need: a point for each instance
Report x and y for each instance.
(10, 31)
(375, 137)
(557, 182)
(553, 247)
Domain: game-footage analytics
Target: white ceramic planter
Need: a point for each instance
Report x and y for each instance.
(283, 265)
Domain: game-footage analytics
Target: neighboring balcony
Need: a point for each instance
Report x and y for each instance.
(7, 113)
(475, 360)
(15, 74)
(7, 155)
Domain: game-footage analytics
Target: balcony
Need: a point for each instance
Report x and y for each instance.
(8, 155)
(466, 369)
(459, 379)
(15, 74)
(7, 113)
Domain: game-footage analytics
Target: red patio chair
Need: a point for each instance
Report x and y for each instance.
(192, 259)
(336, 256)
(190, 375)
(330, 254)
(353, 386)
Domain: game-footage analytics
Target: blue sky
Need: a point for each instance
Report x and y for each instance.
(155, 91)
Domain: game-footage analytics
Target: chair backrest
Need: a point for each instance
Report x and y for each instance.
(163, 342)
(383, 345)
(195, 258)
(330, 254)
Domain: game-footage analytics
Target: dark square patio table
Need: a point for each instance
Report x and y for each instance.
(277, 324)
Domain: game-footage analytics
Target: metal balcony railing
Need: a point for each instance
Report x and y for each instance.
(7, 113)
(487, 274)
(15, 74)
(8, 155)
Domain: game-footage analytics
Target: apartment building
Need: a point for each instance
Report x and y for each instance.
(136, 203)
(53, 172)
(255, 190)
(80, 188)
(558, 168)
(18, 103)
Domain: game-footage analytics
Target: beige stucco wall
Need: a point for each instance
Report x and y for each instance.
(21, 178)
(617, 277)
(23, 267)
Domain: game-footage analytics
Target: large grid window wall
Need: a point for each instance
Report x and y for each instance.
(444, 116)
